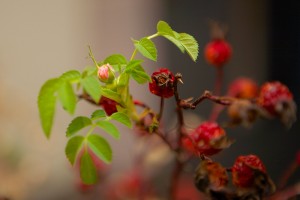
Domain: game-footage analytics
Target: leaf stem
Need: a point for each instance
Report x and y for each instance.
(133, 54)
(91, 55)
(152, 36)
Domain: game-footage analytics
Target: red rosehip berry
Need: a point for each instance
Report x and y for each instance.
(109, 105)
(244, 88)
(162, 83)
(207, 139)
(217, 52)
(244, 168)
(278, 101)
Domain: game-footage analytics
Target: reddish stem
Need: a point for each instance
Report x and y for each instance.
(179, 164)
(217, 91)
(287, 174)
(161, 108)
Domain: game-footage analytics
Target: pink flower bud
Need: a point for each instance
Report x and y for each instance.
(106, 73)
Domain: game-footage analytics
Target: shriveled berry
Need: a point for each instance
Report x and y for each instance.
(210, 176)
(207, 139)
(162, 83)
(109, 105)
(278, 101)
(243, 170)
(243, 111)
(217, 52)
(244, 88)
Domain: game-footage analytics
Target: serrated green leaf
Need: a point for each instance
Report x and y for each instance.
(109, 128)
(88, 171)
(147, 48)
(71, 76)
(100, 147)
(116, 60)
(111, 94)
(122, 118)
(46, 104)
(98, 114)
(132, 64)
(175, 41)
(73, 148)
(67, 97)
(163, 28)
(77, 124)
(190, 45)
(140, 76)
(91, 85)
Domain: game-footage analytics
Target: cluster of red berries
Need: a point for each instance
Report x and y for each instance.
(249, 178)
(273, 99)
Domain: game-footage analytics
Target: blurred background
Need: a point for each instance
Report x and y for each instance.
(42, 39)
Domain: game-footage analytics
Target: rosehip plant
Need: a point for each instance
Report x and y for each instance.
(106, 86)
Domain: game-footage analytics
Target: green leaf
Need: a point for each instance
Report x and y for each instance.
(89, 71)
(46, 104)
(163, 28)
(73, 148)
(123, 80)
(111, 94)
(139, 75)
(116, 60)
(67, 97)
(190, 45)
(71, 76)
(132, 64)
(98, 114)
(77, 124)
(147, 48)
(183, 41)
(91, 85)
(100, 147)
(122, 118)
(88, 171)
(109, 128)
(175, 41)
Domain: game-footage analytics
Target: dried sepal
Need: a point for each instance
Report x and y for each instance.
(210, 176)
(243, 112)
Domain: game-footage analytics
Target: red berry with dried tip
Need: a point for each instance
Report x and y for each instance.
(244, 168)
(207, 139)
(109, 105)
(244, 88)
(217, 52)
(278, 101)
(162, 83)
